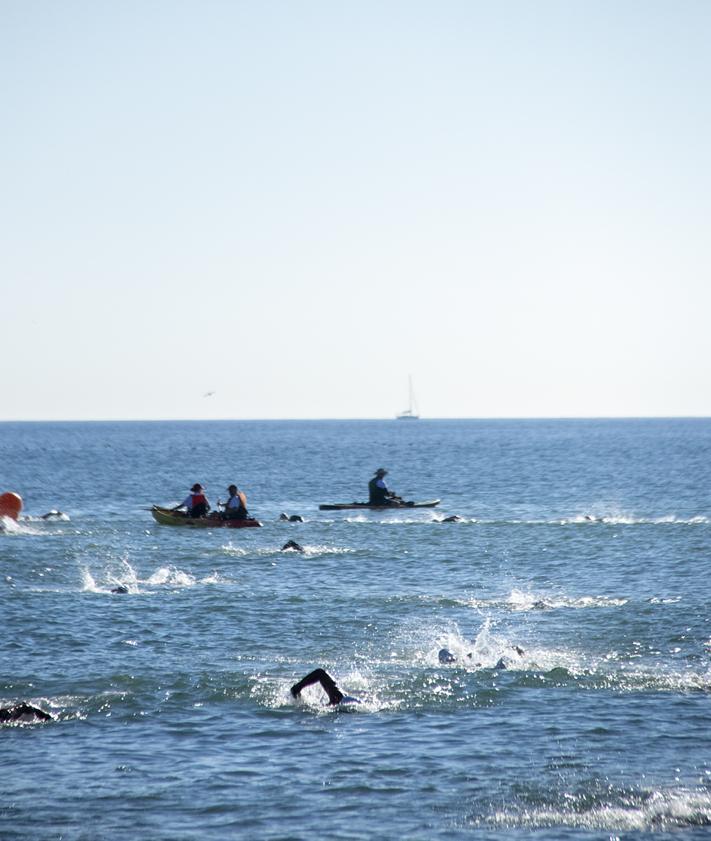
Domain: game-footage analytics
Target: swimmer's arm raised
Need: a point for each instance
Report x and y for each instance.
(335, 696)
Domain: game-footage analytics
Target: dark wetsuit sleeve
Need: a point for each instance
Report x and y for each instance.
(335, 696)
(19, 710)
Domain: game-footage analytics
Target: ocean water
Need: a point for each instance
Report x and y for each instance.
(587, 544)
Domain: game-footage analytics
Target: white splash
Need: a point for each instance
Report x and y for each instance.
(115, 574)
(10, 526)
(521, 601)
(275, 693)
(172, 577)
(215, 578)
(230, 549)
(627, 519)
(659, 810)
(319, 549)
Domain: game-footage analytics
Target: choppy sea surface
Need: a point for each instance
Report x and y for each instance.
(586, 544)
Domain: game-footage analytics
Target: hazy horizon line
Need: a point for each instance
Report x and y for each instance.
(358, 420)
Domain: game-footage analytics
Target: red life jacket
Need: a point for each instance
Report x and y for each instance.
(196, 499)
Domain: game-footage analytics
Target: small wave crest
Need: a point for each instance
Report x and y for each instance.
(611, 519)
(616, 519)
(622, 810)
(310, 550)
(518, 600)
(623, 519)
(316, 549)
(49, 517)
(10, 526)
(383, 519)
(664, 599)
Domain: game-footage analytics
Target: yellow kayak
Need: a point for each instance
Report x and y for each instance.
(168, 517)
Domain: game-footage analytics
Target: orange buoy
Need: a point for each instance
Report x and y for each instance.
(10, 505)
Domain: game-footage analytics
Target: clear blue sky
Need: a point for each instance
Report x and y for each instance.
(297, 204)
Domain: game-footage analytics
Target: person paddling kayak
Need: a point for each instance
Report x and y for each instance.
(236, 505)
(378, 493)
(196, 503)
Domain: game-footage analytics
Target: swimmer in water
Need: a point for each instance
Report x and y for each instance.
(328, 684)
(23, 712)
(293, 545)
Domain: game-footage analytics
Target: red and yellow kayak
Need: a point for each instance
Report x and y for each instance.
(168, 517)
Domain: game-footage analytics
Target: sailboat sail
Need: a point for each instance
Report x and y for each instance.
(411, 413)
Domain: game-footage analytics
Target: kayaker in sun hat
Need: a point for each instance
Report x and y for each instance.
(196, 503)
(378, 493)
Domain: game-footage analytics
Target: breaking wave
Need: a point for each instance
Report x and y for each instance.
(610, 810)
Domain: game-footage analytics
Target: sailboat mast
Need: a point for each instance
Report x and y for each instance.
(411, 413)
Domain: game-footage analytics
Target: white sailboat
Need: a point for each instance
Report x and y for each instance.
(412, 412)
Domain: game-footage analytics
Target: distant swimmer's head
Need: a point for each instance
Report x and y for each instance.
(197, 487)
(446, 656)
(381, 471)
